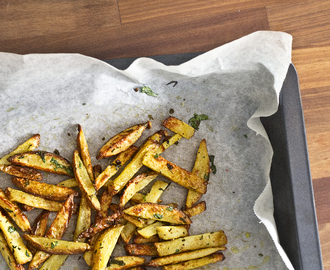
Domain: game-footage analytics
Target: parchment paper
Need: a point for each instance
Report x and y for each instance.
(233, 84)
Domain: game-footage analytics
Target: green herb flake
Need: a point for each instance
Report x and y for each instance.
(156, 156)
(21, 157)
(11, 229)
(114, 261)
(206, 177)
(158, 216)
(245, 135)
(42, 155)
(178, 250)
(79, 165)
(170, 208)
(53, 244)
(201, 238)
(213, 168)
(27, 254)
(9, 210)
(144, 198)
(148, 91)
(196, 120)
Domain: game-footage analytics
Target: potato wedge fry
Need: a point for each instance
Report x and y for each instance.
(21, 172)
(105, 202)
(20, 251)
(182, 257)
(124, 262)
(84, 152)
(69, 183)
(150, 145)
(27, 146)
(174, 172)
(171, 232)
(179, 127)
(202, 170)
(158, 212)
(128, 232)
(54, 262)
(44, 161)
(192, 242)
(138, 222)
(167, 143)
(8, 255)
(88, 255)
(193, 264)
(156, 191)
(84, 182)
(47, 191)
(196, 209)
(150, 230)
(83, 220)
(104, 178)
(123, 140)
(141, 250)
(21, 197)
(104, 246)
(138, 239)
(14, 212)
(56, 246)
(135, 185)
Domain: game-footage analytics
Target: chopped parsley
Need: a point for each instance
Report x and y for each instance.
(11, 229)
(53, 244)
(170, 208)
(27, 254)
(21, 157)
(158, 216)
(114, 261)
(156, 156)
(68, 170)
(42, 155)
(213, 168)
(147, 90)
(8, 210)
(196, 120)
(178, 250)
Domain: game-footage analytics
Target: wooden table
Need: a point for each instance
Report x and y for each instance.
(131, 28)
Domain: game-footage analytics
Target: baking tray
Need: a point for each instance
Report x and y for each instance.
(294, 209)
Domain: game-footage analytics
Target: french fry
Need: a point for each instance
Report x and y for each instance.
(174, 172)
(156, 191)
(202, 170)
(171, 232)
(182, 257)
(56, 246)
(8, 255)
(196, 209)
(128, 232)
(44, 161)
(28, 145)
(137, 221)
(69, 183)
(88, 255)
(193, 264)
(84, 152)
(21, 172)
(150, 145)
(122, 141)
(150, 230)
(21, 197)
(54, 262)
(158, 212)
(167, 143)
(192, 242)
(83, 220)
(104, 246)
(14, 212)
(84, 182)
(138, 239)
(179, 127)
(105, 202)
(20, 251)
(47, 191)
(135, 185)
(124, 262)
(141, 250)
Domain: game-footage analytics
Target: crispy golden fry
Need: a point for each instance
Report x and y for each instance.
(174, 172)
(124, 262)
(123, 140)
(158, 212)
(69, 183)
(193, 264)
(128, 232)
(135, 185)
(44, 161)
(84, 152)
(138, 198)
(20, 251)
(84, 182)
(54, 262)
(83, 220)
(192, 242)
(138, 239)
(138, 222)
(182, 257)
(150, 145)
(156, 191)
(25, 207)
(56, 246)
(27, 146)
(88, 255)
(202, 170)
(104, 246)
(47, 191)
(14, 212)
(8, 255)
(31, 200)
(196, 209)
(105, 202)
(150, 230)
(179, 127)
(167, 143)
(21, 172)
(171, 232)
(141, 250)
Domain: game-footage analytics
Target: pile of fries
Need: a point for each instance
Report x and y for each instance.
(147, 227)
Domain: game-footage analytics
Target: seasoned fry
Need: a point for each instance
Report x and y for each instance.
(105, 202)
(193, 242)
(138, 239)
(202, 170)
(171, 232)
(84, 152)
(128, 232)
(150, 145)
(154, 211)
(196, 209)
(179, 127)
(182, 257)
(14, 212)
(20, 251)
(167, 143)
(47, 191)
(56, 246)
(31, 200)
(135, 185)
(123, 140)
(28, 145)
(88, 254)
(84, 182)
(21, 172)
(8, 255)
(104, 246)
(83, 220)
(156, 191)
(141, 250)
(174, 172)
(44, 161)
(54, 262)
(150, 230)
(137, 221)
(124, 262)
(69, 183)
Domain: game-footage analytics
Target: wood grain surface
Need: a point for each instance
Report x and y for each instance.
(131, 28)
